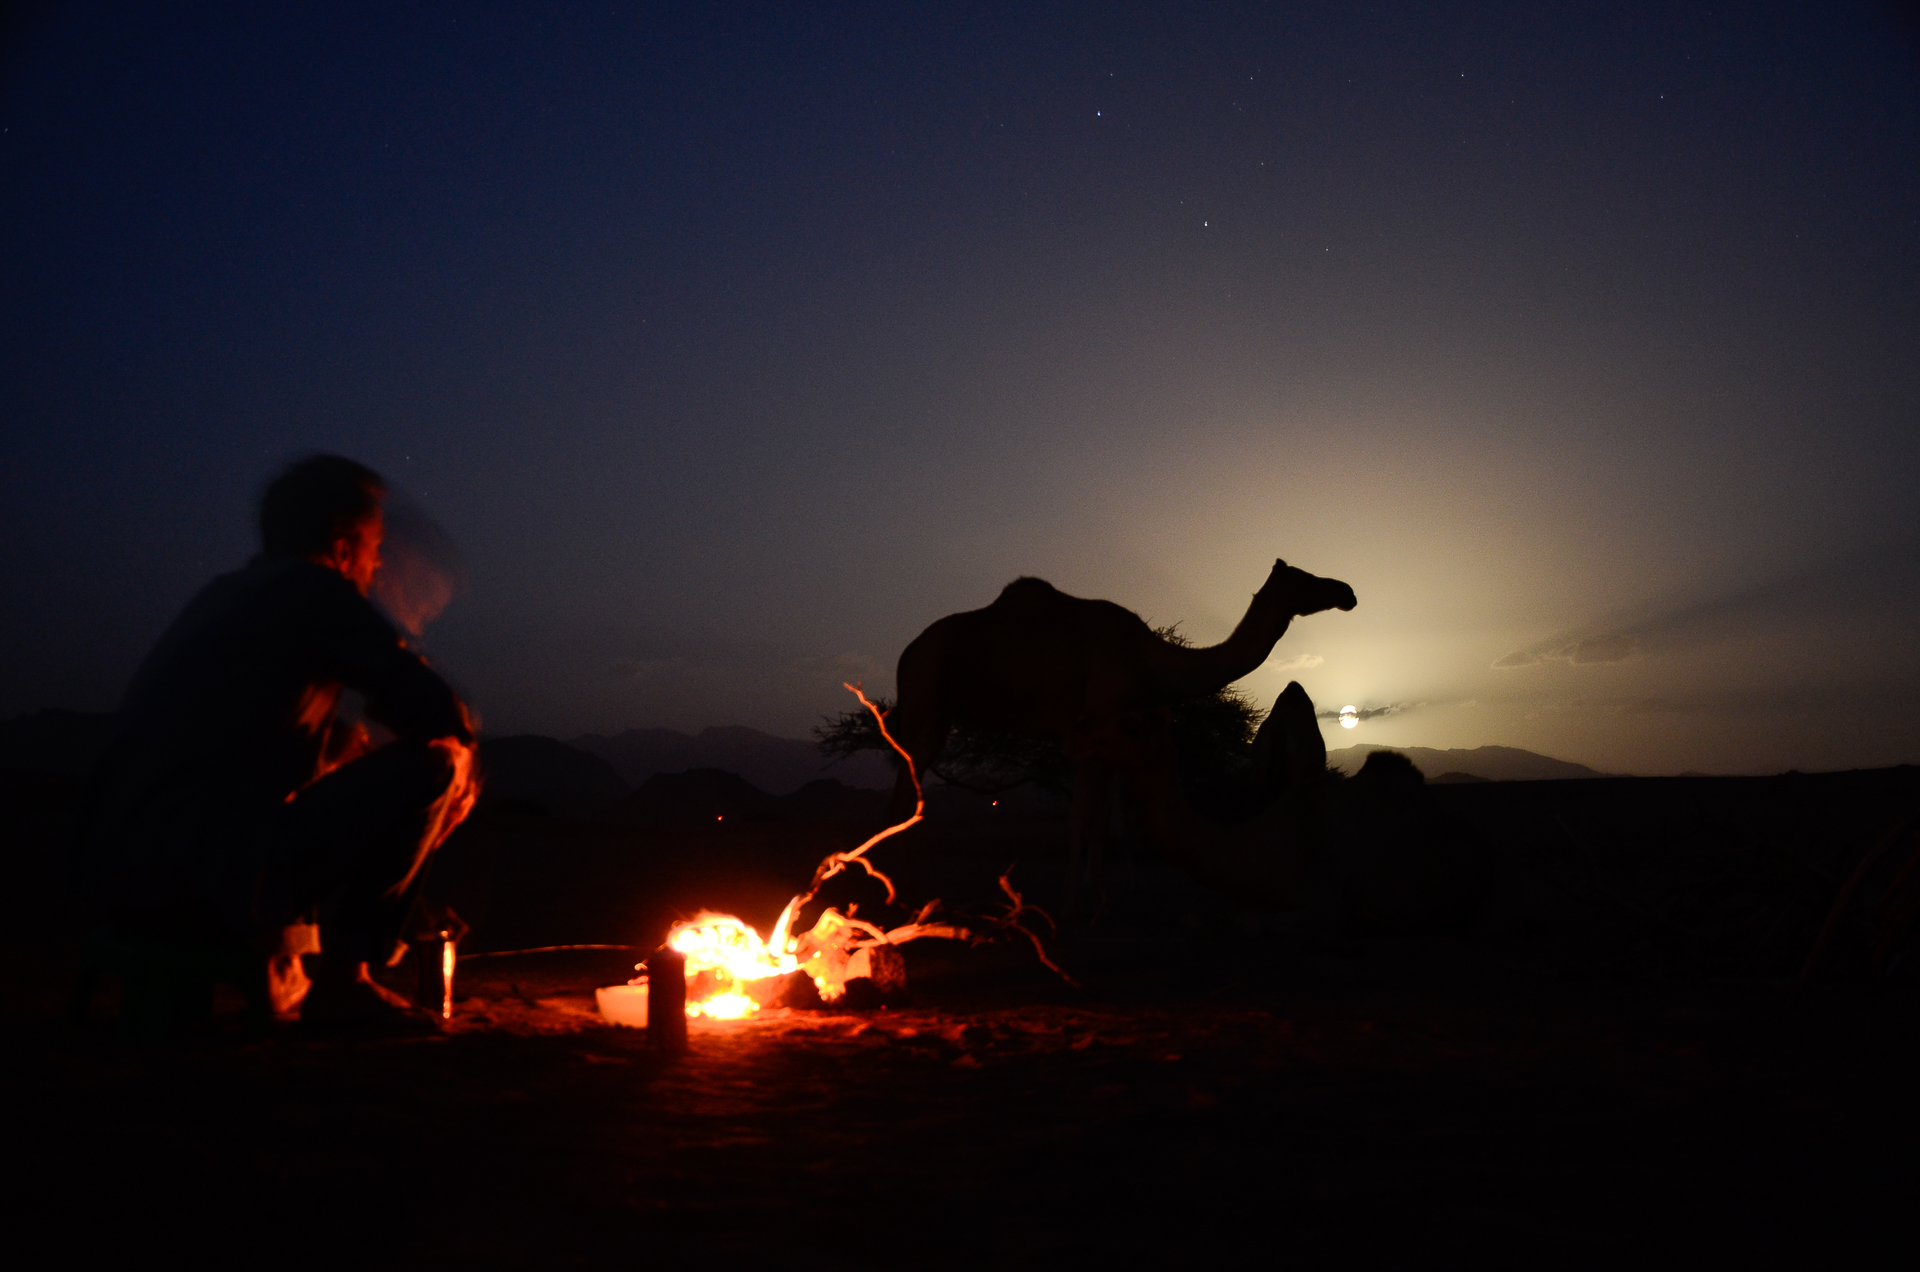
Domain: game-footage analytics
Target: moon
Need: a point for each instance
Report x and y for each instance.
(1349, 717)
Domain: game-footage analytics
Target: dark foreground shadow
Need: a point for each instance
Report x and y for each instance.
(1218, 1086)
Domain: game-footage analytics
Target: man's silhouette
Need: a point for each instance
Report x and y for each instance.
(233, 800)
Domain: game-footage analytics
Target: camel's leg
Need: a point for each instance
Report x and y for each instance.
(1088, 830)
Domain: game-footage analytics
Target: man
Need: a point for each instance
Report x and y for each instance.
(234, 802)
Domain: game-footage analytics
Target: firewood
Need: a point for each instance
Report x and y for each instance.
(876, 977)
(796, 989)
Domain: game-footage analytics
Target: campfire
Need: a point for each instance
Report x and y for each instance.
(731, 972)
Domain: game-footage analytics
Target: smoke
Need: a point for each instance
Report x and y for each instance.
(421, 570)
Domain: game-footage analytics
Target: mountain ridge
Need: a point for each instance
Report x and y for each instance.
(59, 740)
(1489, 763)
(778, 766)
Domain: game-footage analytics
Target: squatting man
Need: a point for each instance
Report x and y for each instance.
(234, 802)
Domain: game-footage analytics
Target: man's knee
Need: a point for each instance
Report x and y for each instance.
(420, 772)
(398, 779)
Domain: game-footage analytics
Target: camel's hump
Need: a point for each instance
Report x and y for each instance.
(1026, 585)
(1028, 595)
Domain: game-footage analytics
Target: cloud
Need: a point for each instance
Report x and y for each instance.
(1299, 662)
(1659, 706)
(1369, 713)
(1877, 584)
(1611, 648)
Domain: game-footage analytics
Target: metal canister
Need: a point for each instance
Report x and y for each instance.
(667, 1001)
(433, 955)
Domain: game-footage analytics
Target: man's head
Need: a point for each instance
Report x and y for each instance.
(326, 510)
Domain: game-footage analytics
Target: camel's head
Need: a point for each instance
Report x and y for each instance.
(1306, 593)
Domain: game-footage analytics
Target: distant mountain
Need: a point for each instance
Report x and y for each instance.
(54, 740)
(827, 799)
(1488, 763)
(703, 796)
(775, 765)
(694, 795)
(561, 779)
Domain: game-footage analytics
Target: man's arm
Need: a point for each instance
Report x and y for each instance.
(356, 645)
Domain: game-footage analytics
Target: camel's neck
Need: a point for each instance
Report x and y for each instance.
(1194, 672)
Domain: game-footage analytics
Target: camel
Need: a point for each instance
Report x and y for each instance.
(1091, 674)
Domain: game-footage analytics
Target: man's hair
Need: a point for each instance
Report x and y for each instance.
(316, 501)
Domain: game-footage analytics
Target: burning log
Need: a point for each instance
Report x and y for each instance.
(795, 989)
(876, 977)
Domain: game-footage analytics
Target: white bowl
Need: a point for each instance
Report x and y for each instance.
(623, 1005)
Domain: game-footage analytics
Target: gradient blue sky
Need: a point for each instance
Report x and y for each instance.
(735, 344)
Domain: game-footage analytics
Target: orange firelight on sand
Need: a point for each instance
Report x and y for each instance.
(727, 959)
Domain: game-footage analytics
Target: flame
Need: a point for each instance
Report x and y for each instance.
(724, 1007)
(723, 954)
(729, 948)
(727, 959)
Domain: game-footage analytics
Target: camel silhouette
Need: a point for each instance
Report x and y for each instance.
(1091, 674)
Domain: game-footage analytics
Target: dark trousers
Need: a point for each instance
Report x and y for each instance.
(355, 846)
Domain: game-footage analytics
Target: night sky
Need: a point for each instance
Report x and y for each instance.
(734, 345)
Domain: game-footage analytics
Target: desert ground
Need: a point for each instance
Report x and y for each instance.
(1602, 1066)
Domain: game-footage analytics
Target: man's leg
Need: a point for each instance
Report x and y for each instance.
(357, 843)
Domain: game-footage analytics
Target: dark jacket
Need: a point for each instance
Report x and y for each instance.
(230, 715)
